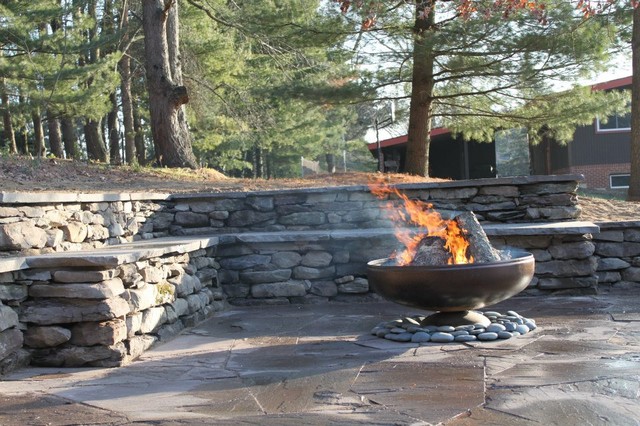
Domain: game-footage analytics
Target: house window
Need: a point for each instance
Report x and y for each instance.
(619, 181)
(615, 123)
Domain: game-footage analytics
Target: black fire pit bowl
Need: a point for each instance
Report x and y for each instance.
(452, 290)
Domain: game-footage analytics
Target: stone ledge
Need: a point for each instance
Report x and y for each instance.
(13, 264)
(131, 252)
(620, 224)
(510, 181)
(553, 228)
(70, 197)
(115, 255)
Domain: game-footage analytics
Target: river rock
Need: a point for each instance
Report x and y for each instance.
(465, 338)
(441, 337)
(400, 337)
(487, 336)
(421, 337)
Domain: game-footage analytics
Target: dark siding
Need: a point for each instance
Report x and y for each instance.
(589, 147)
(548, 157)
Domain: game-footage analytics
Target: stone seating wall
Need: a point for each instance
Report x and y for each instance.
(277, 247)
(617, 250)
(104, 308)
(38, 223)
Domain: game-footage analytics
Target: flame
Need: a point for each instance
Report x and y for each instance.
(420, 213)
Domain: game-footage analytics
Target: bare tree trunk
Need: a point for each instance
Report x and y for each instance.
(167, 95)
(22, 141)
(69, 138)
(113, 131)
(95, 144)
(38, 133)
(634, 181)
(9, 133)
(331, 163)
(124, 66)
(418, 138)
(55, 135)
(141, 151)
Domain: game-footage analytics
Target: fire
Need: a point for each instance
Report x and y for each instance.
(421, 214)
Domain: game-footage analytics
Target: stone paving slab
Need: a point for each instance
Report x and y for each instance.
(318, 365)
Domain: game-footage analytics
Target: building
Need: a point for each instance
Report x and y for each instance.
(601, 152)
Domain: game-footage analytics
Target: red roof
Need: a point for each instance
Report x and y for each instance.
(399, 140)
(613, 84)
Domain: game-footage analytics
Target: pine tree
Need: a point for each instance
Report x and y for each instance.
(481, 71)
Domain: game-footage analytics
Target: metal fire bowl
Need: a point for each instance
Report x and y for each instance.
(451, 288)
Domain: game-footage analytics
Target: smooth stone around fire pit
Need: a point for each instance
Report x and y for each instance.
(401, 337)
(421, 337)
(504, 335)
(487, 335)
(465, 338)
(496, 328)
(441, 337)
(500, 327)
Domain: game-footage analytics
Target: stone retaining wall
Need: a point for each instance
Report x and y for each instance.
(40, 223)
(512, 200)
(318, 266)
(105, 306)
(617, 250)
(104, 309)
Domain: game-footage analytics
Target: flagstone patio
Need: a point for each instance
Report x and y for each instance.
(319, 365)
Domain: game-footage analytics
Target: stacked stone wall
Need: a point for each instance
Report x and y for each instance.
(75, 314)
(564, 263)
(527, 199)
(287, 268)
(617, 250)
(45, 223)
(48, 223)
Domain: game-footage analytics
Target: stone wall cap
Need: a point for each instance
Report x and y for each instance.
(501, 181)
(119, 254)
(246, 194)
(623, 224)
(550, 228)
(77, 197)
(9, 264)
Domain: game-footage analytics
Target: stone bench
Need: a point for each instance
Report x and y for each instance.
(316, 266)
(104, 307)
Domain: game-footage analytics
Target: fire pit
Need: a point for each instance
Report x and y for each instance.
(452, 290)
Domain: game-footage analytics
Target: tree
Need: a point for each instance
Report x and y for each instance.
(634, 181)
(268, 57)
(473, 67)
(167, 94)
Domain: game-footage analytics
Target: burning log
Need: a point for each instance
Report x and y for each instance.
(433, 250)
(479, 246)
